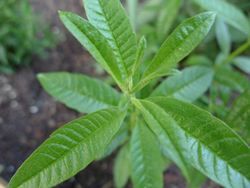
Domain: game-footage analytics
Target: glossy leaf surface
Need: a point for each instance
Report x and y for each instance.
(79, 92)
(179, 44)
(210, 145)
(68, 150)
(169, 139)
(94, 42)
(110, 19)
(142, 45)
(146, 159)
(228, 12)
(189, 85)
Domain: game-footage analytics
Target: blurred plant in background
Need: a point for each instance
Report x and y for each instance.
(22, 35)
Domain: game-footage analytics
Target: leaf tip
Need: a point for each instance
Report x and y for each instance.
(212, 15)
(63, 14)
(40, 76)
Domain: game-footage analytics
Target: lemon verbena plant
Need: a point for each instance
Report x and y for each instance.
(146, 130)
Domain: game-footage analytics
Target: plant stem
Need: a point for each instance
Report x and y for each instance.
(238, 51)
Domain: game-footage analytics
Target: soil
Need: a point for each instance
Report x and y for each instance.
(28, 115)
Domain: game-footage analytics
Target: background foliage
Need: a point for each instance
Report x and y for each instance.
(22, 34)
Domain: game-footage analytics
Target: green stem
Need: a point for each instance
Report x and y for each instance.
(238, 51)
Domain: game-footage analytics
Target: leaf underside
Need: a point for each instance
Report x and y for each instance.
(188, 86)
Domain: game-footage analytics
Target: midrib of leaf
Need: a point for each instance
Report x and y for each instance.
(220, 158)
(94, 45)
(114, 40)
(68, 152)
(176, 49)
(210, 149)
(168, 134)
(87, 96)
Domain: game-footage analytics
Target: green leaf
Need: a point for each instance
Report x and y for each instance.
(147, 12)
(132, 11)
(232, 79)
(228, 12)
(140, 53)
(94, 42)
(79, 92)
(199, 60)
(146, 159)
(243, 63)
(189, 85)
(122, 167)
(208, 143)
(179, 44)
(197, 179)
(167, 17)
(119, 139)
(109, 17)
(68, 150)
(239, 115)
(223, 36)
(169, 140)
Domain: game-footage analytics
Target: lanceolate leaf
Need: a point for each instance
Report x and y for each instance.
(122, 167)
(223, 36)
(140, 53)
(211, 146)
(94, 42)
(110, 19)
(167, 16)
(228, 12)
(68, 150)
(179, 44)
(169, 140)
(239, 116)
(189, 85)
(79, 92)
(146, 159)
(132, 11)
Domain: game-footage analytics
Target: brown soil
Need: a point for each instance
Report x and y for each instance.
(28, 115)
